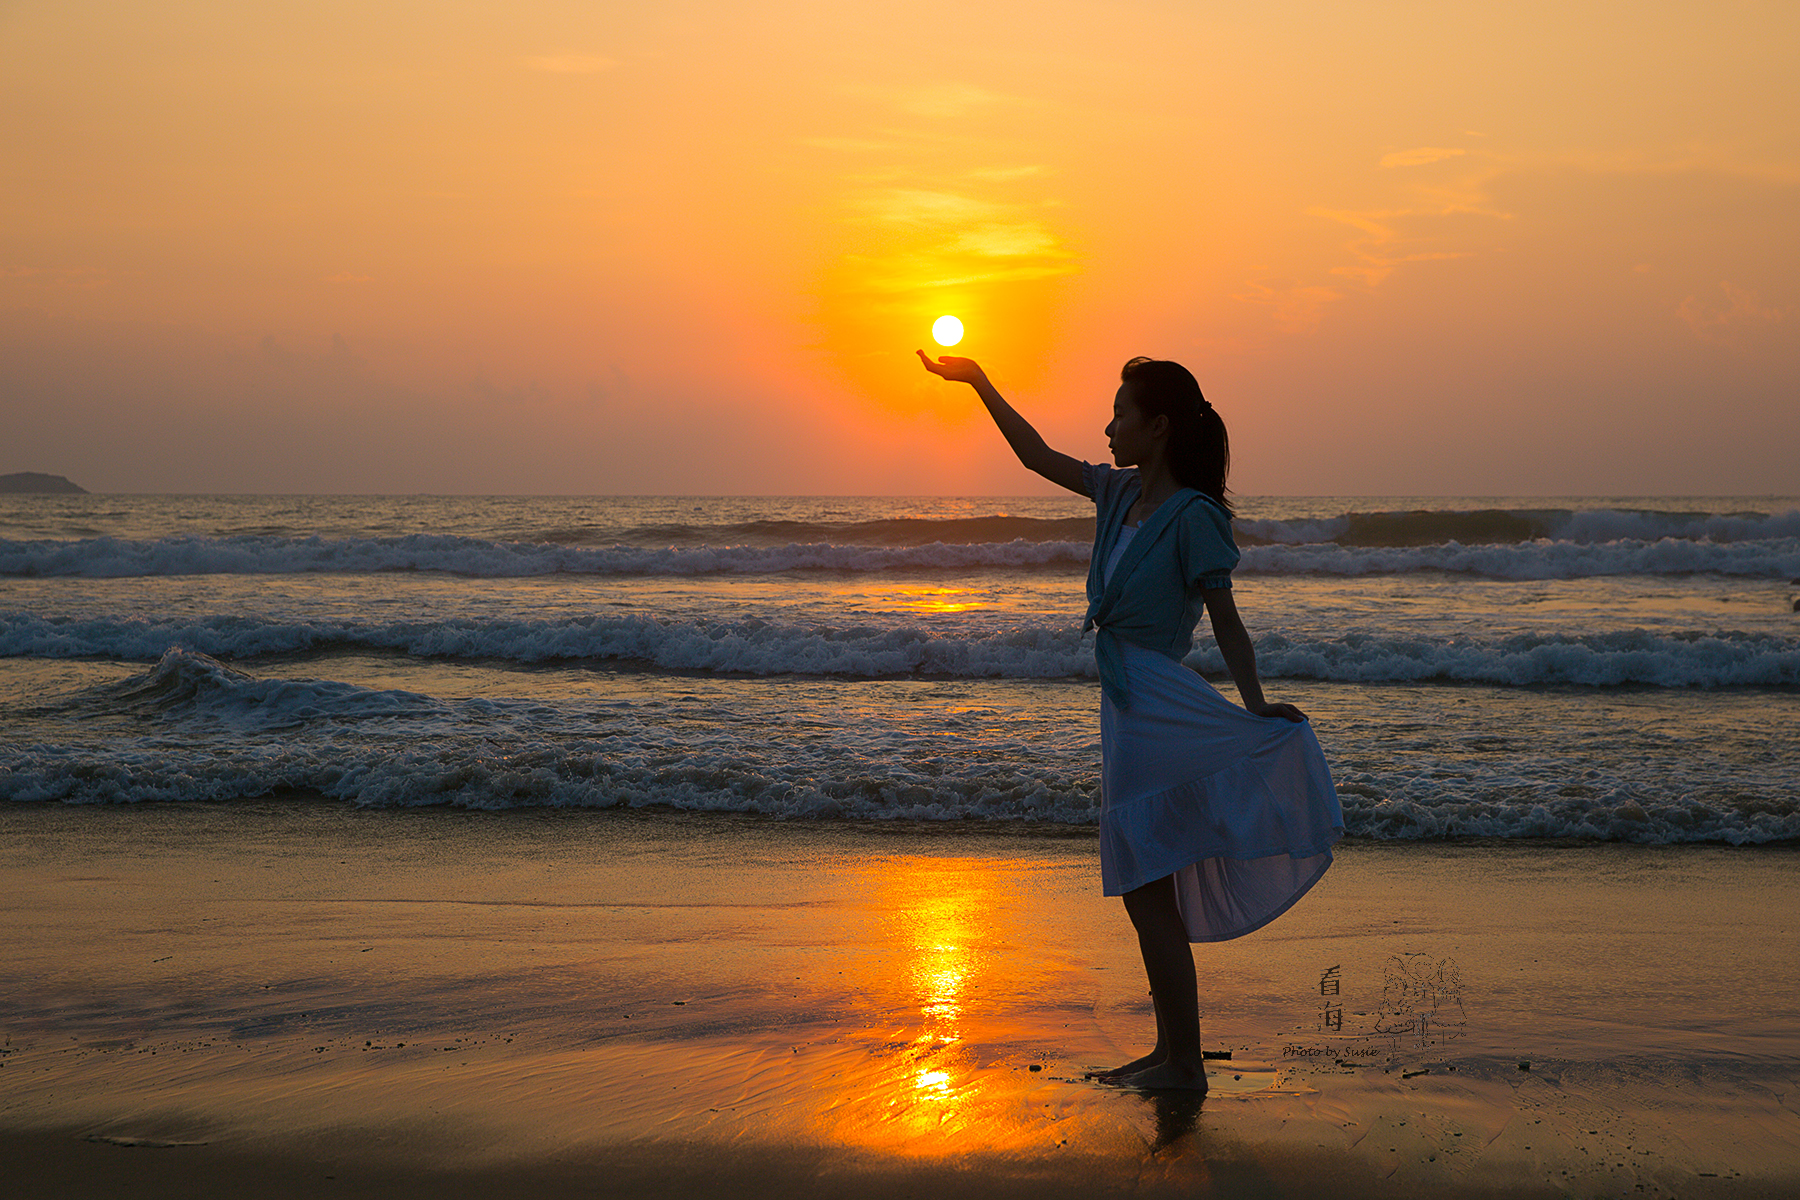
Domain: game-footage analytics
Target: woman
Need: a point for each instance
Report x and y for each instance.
(1213, 819)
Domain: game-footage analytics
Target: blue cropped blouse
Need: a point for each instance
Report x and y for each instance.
(1153, 599)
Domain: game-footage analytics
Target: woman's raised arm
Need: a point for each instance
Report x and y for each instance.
(1026, 442)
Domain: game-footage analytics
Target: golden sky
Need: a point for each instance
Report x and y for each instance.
(689, 247)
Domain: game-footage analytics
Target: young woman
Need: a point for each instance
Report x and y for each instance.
(1214, 819)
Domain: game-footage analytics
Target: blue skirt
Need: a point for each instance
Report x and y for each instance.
(1240, 809)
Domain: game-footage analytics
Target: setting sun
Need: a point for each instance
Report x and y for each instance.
(947, 331)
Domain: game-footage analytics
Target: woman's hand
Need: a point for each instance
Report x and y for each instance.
(956, 370)
(1286, 712)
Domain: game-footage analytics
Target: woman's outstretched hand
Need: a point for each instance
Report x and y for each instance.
(956, 370)
(1286, 712)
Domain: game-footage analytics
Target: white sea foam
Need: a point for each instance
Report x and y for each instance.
(757, 647)
(218, 734)
(116, 558)
(1504, 526)
(1534, 560)
(1595, 660)
(111, 558)
(189, 684)
(751, 646)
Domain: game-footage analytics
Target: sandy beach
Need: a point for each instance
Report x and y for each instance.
(329, 1001)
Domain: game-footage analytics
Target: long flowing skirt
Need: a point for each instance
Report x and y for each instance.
(1239, 808)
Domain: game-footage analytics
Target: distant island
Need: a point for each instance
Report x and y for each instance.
(32, 481)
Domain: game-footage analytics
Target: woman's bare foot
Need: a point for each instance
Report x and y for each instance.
(1131, 1068)
(1165, 1076)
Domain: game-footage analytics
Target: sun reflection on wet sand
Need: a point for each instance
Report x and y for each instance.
(942, 960)
(960, 1068)
(937, 913)
(929, 1091)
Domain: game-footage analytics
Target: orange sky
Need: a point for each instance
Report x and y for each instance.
(689, 247)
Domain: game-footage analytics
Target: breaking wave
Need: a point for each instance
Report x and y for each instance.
(113, 558)
(1024, 651)
(213, 733)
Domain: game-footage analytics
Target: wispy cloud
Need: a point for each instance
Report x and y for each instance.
(1021, 240)
(1295, 309)
(847, 145)
(1419, 156)
(936, 238)
(571, 64)
(1383, 246)
(934, 100)
(1005, 174)
(909, 206)
(948, 100)
(1727, 324)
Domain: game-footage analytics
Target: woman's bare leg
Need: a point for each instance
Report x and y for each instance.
(1169, 964)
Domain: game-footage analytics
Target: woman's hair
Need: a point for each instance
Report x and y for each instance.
(1199, 451)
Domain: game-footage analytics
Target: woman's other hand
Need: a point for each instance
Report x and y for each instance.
(956, 370)
(1286, 712)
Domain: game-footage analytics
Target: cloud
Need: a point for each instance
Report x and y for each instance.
(924, 239)
(1742, 313)
(847, 145)
(1378, 251)
(1420, 156)
(1005, 174)
(572, 64)
(1295, 309)
(1009, 241)
(947, 100)
(910, 206)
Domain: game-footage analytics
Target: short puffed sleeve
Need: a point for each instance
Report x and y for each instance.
(1208, 551)
(1105, 485)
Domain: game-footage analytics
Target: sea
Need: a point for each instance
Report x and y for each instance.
(1607, 670)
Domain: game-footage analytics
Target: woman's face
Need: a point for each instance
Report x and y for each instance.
(1133, 439)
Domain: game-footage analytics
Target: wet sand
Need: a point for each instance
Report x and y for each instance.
(305, 999)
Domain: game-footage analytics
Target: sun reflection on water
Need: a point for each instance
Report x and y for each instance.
(925, 599)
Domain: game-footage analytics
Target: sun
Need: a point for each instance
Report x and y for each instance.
(947, 331)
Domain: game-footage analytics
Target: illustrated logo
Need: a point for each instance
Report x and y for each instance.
(1421, 1007)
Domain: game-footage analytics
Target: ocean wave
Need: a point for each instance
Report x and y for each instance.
(1402, 528)
(221, 734)
(896, 531)
(1543, 560)
(1625, 657)
(218, 734)
(750, 646)
(188, 684)
(1622, 815)
(1379, 528)
(114, 558)
(757, 647)
(109, 558)
(1498, 527)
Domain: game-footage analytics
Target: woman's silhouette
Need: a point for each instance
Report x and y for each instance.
(1214, 819)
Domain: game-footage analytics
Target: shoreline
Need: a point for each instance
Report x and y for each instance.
(288, 800)
(446, 1000)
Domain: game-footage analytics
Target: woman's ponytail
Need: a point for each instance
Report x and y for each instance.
(1199, 451)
